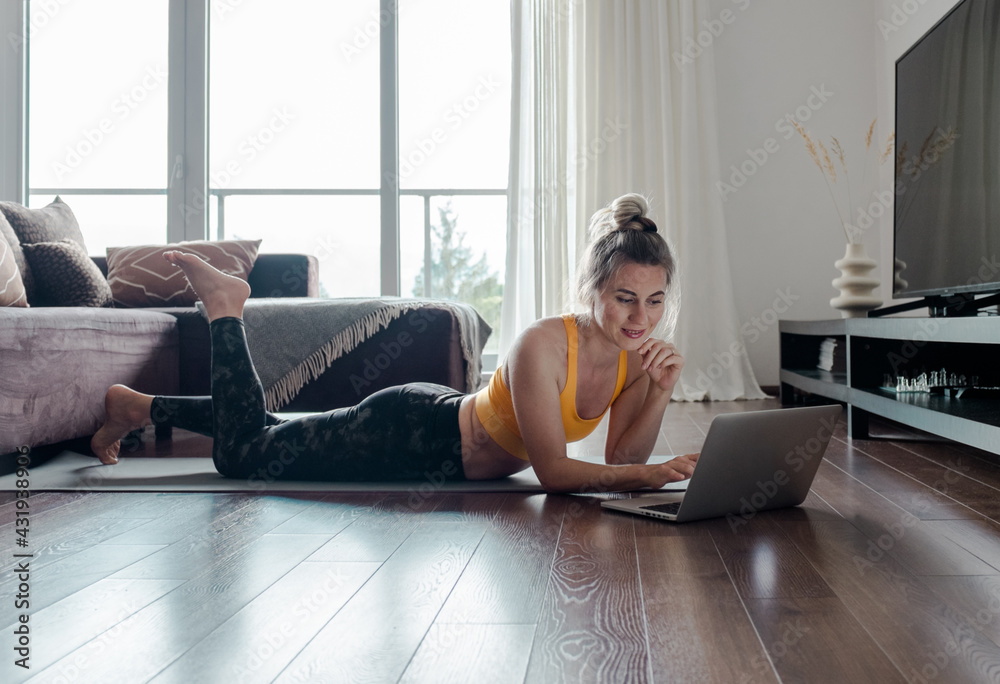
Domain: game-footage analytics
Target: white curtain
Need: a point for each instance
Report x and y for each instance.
(601, 107)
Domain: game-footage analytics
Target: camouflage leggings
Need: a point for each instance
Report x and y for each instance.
(410, 432)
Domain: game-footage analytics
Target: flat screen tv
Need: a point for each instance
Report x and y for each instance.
(946, 237)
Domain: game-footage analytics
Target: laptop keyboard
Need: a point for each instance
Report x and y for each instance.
(670, 508)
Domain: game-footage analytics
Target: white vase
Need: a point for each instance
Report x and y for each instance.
(855, 283)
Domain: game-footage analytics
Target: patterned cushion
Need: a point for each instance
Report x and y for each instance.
(10, 237)
(52, 222)
(11, 286)
(140, 276)
(65, 275)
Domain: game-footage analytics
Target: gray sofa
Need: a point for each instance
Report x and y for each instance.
(56, 363)
(59, 355)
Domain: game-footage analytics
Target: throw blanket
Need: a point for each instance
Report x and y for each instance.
(294, 340)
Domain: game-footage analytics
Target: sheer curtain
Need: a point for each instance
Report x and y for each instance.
(601, 107)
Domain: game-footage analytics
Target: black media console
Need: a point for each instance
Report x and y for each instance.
(864, 359)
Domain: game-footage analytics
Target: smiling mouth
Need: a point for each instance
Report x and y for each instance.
(634, 334)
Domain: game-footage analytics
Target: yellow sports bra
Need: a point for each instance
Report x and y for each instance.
(495, 407)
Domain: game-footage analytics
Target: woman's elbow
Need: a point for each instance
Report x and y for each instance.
(556, 483)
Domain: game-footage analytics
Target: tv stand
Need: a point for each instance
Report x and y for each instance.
(942, 306)
(867, 350)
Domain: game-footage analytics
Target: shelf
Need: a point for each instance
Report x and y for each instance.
(948, 418)
(817, 382)
(893, 346)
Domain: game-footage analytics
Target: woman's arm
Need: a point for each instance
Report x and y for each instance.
(533, 373)
(637, 414)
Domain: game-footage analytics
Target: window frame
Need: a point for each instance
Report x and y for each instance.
(186, 180)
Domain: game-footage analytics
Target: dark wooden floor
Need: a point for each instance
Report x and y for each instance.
(890, 572)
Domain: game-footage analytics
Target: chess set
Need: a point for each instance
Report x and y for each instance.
(935, 382)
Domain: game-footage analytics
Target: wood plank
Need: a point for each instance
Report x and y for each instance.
(911, 482)
(374, 636)
(40, 502)
(158, 634)
(200, 514)
(472, 507)
(330, 514)
(763, 563)
(979, 537)
(698, 628)
(976, 598)
(208, 539)
(682, 436)
(909, 622)
(90, 616)
(893, 530)
(591, 626)
(265, 635)
(506, 579)
(55, 581)
(53, 545)
(800, 634)
(377, 532)
(982, 466)
(487, 654)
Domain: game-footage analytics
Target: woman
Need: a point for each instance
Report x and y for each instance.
(561, 376)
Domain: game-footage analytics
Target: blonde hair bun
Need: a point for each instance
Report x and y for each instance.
(627, 212)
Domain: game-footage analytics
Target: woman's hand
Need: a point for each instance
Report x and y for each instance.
(674, 470)
(662, 362)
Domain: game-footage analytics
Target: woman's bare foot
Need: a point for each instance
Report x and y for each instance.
(125, 410)
(222, 294)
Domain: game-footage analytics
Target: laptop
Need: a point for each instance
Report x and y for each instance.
(750, 462)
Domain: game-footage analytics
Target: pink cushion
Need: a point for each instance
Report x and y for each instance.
(11, 285)
(140, 276)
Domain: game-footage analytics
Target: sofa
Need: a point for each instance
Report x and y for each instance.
(58, 358)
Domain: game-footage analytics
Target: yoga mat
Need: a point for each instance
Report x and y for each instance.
(69, 471)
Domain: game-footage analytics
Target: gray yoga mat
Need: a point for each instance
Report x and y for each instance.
(71, 471)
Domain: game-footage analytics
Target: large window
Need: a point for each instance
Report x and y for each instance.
(97, 121)
(454, 123)
(289, 135)
(294, 130)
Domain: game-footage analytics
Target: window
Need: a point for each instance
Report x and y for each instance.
(277, 130)
(454, 144)
(97, 123)
(294, 131)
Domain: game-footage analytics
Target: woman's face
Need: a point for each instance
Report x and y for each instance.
(631, 305)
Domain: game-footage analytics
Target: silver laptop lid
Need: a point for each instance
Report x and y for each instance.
(750, 462)
(758, 460)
